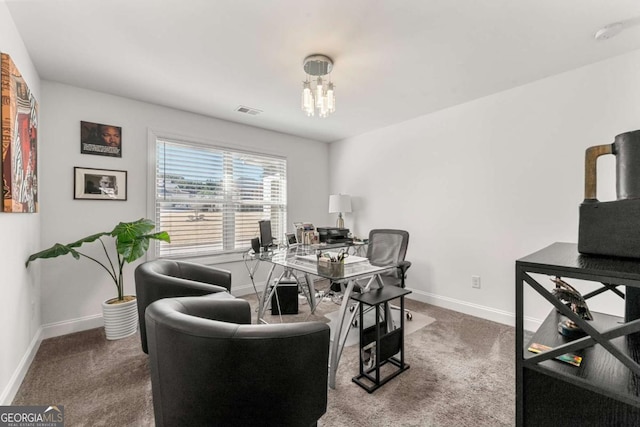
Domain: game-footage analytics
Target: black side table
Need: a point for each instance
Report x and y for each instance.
(605, 389)
(386, 341)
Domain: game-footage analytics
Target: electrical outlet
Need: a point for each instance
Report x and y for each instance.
(475, 282)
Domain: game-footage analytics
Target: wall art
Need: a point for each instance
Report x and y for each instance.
(19, 123)
(100, 139)
(99, 184)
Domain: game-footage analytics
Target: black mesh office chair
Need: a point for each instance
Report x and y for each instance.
(389, 247)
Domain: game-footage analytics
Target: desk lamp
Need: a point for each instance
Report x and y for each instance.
(339, 203)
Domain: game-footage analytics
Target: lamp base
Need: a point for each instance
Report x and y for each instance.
(340, 222)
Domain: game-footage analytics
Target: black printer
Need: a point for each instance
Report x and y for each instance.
(333, 235)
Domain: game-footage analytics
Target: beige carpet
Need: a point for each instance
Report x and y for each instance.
(462, 374)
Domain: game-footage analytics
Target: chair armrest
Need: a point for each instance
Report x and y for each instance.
(404, 266)
(206, 274)
(222, 310)
(168, 286)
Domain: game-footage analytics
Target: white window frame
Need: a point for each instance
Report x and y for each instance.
(153, 136)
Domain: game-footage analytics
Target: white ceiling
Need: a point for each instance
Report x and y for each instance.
(394, 59)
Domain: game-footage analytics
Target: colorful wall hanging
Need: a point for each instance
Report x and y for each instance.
(19, 123)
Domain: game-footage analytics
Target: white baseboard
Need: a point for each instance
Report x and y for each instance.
(9, 393)
(489, 313)
(242, 290)
(45, 331)
(70, 326)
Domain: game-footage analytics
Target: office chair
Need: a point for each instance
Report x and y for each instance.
(162, 278)
(210, 366)
(388, 247)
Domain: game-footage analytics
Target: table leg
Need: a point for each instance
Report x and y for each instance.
(336, 351)
(262, 302)
(312, 292)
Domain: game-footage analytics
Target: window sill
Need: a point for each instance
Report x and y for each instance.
(214, 259)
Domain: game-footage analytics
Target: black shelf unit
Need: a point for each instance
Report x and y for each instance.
(388, 341)
(605, 389)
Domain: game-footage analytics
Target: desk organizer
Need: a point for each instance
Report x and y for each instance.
(330, 268)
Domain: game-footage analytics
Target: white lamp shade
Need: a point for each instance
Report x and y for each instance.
(339, 203)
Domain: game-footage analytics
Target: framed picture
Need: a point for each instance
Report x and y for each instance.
(19, 161)
(100, 139)
(99, 184)
(291, 239)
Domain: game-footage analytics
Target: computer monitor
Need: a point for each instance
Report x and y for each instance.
(266, 238)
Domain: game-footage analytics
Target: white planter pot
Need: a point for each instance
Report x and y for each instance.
(120, 319)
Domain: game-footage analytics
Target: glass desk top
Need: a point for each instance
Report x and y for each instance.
(303, 259)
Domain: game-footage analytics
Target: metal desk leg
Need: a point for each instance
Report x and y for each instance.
(312, 291)
(336, 351)
(262, 302)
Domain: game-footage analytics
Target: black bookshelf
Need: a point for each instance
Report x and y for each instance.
(605, 388)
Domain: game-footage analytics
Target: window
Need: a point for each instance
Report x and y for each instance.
(210, 199)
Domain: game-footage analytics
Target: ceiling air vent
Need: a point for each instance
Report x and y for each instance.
(248, 110)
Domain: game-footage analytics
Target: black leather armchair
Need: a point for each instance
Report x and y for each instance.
(211, 367)
(163, 278)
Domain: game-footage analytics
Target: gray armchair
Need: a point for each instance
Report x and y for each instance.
(163, 278)
(211, 367)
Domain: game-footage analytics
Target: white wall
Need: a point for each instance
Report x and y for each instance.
(72, 291)
(482, 184)
(20, 236)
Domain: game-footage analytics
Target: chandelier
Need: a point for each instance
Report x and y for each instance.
(318, 94)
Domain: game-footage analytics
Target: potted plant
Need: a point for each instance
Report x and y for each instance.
(131, 242)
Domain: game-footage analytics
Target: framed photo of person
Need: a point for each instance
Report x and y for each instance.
(100, 139)
(99, 184)
(291, 239)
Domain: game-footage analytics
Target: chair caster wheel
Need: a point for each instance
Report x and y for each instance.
(354, 324)
(351, 308)
(409, 316)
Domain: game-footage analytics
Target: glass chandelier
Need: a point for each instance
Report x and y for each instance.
(318, 94)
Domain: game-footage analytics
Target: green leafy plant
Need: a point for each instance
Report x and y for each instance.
(132, 242)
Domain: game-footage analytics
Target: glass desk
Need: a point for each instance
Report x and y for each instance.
(301, 260)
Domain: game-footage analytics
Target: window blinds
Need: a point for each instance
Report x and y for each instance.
(210, 199)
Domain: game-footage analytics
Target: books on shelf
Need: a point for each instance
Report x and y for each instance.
(570, 358)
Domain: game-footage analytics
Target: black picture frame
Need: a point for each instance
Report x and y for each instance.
(100, 139)
(99, 184)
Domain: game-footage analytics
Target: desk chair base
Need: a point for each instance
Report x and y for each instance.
(407, 312)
